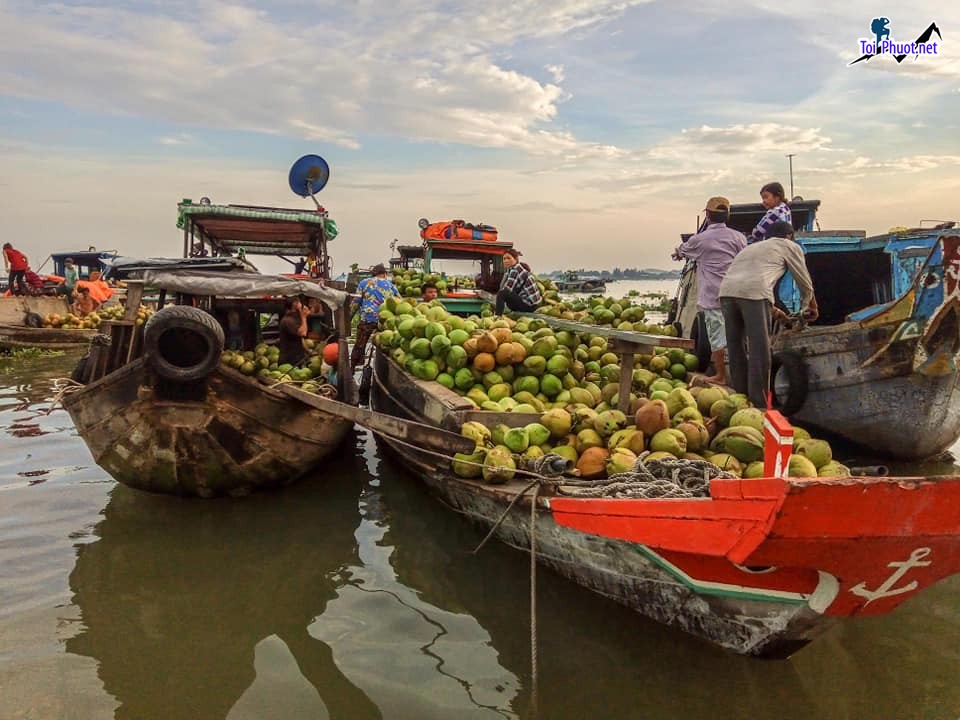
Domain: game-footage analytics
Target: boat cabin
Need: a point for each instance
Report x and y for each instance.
(483, 260)
(409, 257)
(86, 261)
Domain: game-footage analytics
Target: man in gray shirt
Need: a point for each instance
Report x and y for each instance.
(713, 249)
(747, 302)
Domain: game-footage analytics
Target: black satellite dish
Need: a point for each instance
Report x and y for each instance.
(309, 175)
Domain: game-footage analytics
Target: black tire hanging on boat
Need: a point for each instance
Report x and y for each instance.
(182, 343)
(33, 320)
(79, 373)
(798, 382)
(701, 341)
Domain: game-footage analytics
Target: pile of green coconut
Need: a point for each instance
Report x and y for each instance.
(699, 423)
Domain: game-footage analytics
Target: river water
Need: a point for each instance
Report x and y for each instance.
(353, 594)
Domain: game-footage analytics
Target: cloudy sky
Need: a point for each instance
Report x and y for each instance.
(589, 131)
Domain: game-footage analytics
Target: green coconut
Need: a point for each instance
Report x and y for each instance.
(743, 442)
(608, 422)
(698, 437)
(499, 465)
(678, 399)
(477, 432)
(833, 469)
(801, 466)
(538, 434)
(516, 439)
(669, 440)
(727, 463)
(722, 411)
(816, 451)
(754, 470)
(557, 421)
(620, 460)
(707, 397)
(568, 452)
(747, 417)
(588, 438)
(463, 468)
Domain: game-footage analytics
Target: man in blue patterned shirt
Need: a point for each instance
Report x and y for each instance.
(371, 292)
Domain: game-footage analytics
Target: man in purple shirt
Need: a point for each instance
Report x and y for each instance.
(713, 250)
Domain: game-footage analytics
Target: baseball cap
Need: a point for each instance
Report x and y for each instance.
(718, 204)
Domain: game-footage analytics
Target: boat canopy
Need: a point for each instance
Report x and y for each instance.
(233, 284)
(127, 267)
(258, 230)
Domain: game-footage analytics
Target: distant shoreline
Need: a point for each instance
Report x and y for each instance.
(617, 274)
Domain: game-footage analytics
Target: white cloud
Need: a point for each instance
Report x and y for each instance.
(741, 140)
(181, 139)
(413, 69)
(557, 71)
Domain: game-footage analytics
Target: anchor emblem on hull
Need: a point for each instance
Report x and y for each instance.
(888, 588)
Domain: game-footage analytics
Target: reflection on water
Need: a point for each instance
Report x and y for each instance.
(353, 594)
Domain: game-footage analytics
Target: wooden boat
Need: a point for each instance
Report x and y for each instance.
(880, 365)
(160, 413)
(761, 567)
(573, 283)
(14, 337)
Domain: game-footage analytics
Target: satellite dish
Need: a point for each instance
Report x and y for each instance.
(309, 175)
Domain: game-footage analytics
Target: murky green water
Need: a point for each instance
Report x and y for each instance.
(353, 595)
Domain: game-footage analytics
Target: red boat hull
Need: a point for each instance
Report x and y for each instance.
(847, 546)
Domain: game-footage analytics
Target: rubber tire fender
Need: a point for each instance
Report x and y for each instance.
(798, 381)
(701, 342)
(183, 343)
(33, 320)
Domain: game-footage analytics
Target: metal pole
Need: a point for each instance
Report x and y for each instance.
(790, 157)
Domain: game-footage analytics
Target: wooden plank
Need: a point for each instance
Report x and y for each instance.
(626, 382)
(134, 296)
(418, 434)
(625, 336)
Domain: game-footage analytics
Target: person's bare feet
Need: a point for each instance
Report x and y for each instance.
(715, 379)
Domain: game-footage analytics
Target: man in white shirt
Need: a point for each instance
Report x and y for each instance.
(747, 302)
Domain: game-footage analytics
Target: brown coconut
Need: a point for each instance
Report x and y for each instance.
(470, 346)
(487, 343)
(484, 362)
(593, 462)
(502, 335)
(519, 352)
(652, 418)
(505, 353)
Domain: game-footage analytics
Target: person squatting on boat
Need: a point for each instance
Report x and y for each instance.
(713, 249)
(746, 299)
(293, 328)
(16, 264)
(518, 288)
(85, 303)
(371, 292)
(774, 199)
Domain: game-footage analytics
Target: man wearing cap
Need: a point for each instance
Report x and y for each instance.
(746, 298)
(713, 249)
(371, 292)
